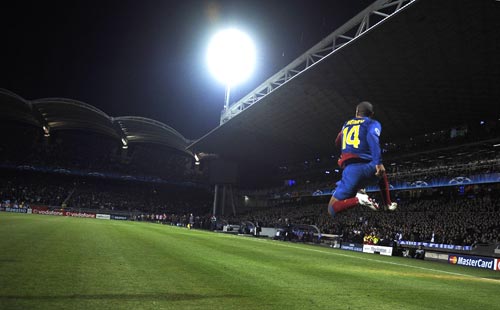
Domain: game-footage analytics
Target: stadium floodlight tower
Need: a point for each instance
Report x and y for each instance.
(231, 58)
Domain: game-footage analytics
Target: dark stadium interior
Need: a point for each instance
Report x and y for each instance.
(432, 77)
(89, 170)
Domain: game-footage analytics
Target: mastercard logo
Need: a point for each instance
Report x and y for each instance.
(453, 260)
(497, 262)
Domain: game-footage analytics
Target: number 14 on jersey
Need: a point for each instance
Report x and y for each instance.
(350, 136)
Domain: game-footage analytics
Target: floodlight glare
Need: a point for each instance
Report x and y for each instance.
(231, 56)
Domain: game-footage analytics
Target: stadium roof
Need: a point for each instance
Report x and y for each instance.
(52, 114)
(61, 113)
(429, 66)
(140, 129)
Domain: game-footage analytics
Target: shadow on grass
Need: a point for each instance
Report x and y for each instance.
(132, 297)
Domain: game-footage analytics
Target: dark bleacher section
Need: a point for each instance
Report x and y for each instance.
(434, 158)
(87, 194)
(84, 152)
(86, 171)
(455, 215)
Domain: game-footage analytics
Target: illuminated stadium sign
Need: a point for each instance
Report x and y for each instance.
(435, 245)
(444, 181)
(473, 261)
(436, 182)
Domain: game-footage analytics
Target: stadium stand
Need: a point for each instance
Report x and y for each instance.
(75, 145)
(73, 158)
(464, 216)
(476, 161)
(67, 135)
(65, 154)
(445, 215)
(98, 195)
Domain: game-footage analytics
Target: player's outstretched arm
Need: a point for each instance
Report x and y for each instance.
(373, 143)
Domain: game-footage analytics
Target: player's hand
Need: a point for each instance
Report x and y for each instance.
(380, 170)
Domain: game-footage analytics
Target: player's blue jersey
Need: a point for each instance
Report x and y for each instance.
(359, 138)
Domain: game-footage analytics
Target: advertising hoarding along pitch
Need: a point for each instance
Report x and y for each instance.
(473, 261)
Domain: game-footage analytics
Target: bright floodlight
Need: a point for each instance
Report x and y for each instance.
(231, 56)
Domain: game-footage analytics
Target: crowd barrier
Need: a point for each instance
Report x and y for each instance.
(489, 263)
(377, 249)
(367, 248)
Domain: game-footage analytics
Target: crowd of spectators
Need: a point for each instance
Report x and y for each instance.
(456, 215)
(31, 191)
(181, 219)
(464, 161)
(156, 199)
(444, 216)
(103, 195)
(460, 166)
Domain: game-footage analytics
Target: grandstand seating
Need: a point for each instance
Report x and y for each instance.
(85, 170)
(442, 215)
(446, 215)
(406, 164)
(24, 189)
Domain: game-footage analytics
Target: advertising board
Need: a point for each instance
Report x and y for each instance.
(47, 212)
(103, 216)
(382, 250)
(16, 210)
(473, 261)
(79, 214)
(356, 247)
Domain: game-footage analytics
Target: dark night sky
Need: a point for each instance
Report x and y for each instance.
(147, 58)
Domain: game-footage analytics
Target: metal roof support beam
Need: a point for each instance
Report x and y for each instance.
(351, 30)
(148, 121)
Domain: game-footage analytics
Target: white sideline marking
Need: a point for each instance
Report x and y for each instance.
(368, 259)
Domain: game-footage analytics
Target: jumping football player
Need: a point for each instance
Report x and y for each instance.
(361, 161)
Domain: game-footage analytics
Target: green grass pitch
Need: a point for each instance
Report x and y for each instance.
(49, 262)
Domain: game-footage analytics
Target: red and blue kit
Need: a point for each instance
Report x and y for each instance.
(359, 142)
